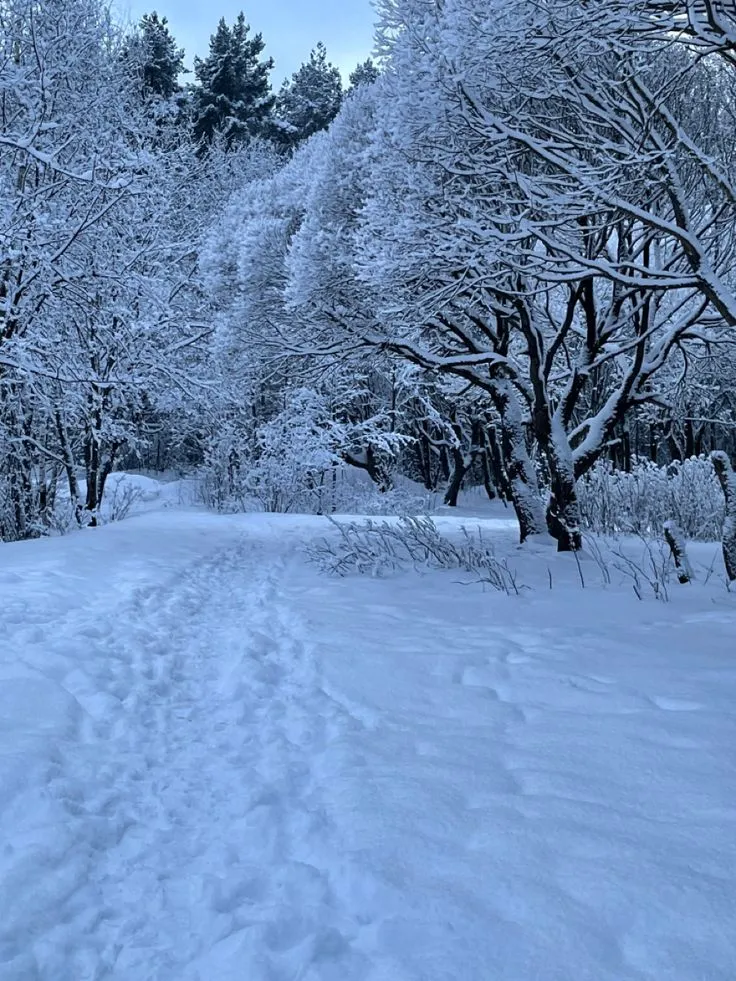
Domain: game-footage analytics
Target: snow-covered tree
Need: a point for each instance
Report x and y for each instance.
(99, 305)
(233, 99)
(531, 210)
(309, 101)
(496, 241)
(365, 73)
(162, 58)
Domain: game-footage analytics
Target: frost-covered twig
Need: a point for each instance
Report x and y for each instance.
(653, 572)
(640, 502)
(379, 548)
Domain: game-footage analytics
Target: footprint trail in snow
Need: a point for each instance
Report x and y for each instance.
(218, 765)
(187, 813)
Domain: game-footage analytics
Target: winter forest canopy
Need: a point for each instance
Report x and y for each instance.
(503, 254)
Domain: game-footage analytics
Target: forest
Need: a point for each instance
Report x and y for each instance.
(502, 255)
(417, 384)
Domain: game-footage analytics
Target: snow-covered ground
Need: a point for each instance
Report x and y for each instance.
(217, 764)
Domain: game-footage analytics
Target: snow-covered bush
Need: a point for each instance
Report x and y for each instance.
(299, 462)
(641, 502)
(377, 549)
(286, 464)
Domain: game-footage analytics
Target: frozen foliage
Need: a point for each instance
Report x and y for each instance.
(101, 318)
(309, 101)
(233, 99)
(374, 549)
(232, 483)
(642, 501)
(299, 460)
(650, 572)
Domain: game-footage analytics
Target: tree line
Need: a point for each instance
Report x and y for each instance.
(111, 172)
(503, 255)
(511, 251)
(232, 99)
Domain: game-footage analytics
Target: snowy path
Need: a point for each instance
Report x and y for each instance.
(183, 822)
(237, 769)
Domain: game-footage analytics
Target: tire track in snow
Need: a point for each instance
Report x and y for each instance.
(189, 837)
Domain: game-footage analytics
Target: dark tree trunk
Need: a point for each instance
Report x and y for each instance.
(653, 443)
(444, 463)
(487, 478)
(563, 512)
(424, 461)
(626, 451)
(459, 469)
(676, 542)
(495, 459)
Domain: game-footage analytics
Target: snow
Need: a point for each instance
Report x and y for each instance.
(135, 493)
(216, 763)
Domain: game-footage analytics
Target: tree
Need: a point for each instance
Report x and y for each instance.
(366, 73)
(527, 237)
(100, 319)
(234, 99)
(163, 60)
(539, 253)
(309, 101)
(67, 150)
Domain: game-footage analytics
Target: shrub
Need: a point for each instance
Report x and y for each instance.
(374, 549)
(641, 502)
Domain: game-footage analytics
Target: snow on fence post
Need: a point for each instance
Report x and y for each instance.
(727, 479)
(675, 538)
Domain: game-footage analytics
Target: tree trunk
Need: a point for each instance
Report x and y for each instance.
(459, 469)
(487, 478)
(69, 466)
(653, 443)
(562, 516)
(495, 461)
(676, 541)
(523, 484)
(92, 469)
(727, 479)
(424, 459)
(563, 513)
(626, 450)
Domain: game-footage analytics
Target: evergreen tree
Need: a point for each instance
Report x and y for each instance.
(234, 97)
(163, 60)
(309, 101)
(366, 73)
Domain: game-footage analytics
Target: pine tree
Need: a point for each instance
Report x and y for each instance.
(366, 73)
(163, 60)
(309, 101)
(234, 97)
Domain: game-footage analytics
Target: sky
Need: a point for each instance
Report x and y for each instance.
(290, 28)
